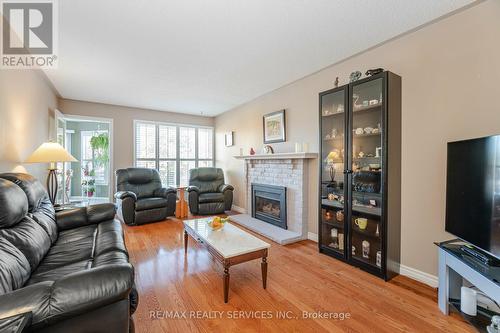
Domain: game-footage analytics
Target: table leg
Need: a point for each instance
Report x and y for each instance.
(263, 266)
(185, 242)
(226, 284)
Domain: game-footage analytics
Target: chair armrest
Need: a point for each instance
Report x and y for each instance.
(79, 217)
(225, 187)
(125, 194)
(70, 296)
(164, 192)
(193, 188)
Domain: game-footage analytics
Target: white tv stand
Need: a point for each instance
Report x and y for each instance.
(454, 267)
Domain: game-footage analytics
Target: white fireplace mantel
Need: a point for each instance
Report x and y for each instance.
(289, 170)
(278, 156)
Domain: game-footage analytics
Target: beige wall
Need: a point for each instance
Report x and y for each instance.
(450, 72)
(123, 124)
(27, 101)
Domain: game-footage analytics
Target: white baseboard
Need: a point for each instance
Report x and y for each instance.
(420, 276)
(312, 236)
(239, 209)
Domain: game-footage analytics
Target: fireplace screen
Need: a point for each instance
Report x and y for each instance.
(269, 204)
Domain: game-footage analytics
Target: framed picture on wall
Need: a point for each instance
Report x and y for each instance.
(274, 127)
(228, 139)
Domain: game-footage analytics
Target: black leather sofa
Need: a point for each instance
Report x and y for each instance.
(70, 269)
(141, 198)
(208, 193)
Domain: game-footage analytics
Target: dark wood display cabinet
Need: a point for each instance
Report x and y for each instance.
(360, 173)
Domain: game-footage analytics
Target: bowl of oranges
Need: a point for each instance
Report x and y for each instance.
(217, 222)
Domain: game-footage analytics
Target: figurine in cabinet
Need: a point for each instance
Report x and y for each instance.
(366, 249)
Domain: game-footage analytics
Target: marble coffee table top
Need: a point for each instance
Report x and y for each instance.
(229, 241)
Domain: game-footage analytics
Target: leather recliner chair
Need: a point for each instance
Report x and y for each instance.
(69, 271)
(141, 198)
(208, 193)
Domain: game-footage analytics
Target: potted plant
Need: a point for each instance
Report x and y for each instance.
(91, 187)
(100, 144)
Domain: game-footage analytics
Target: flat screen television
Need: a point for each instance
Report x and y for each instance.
(473, 192)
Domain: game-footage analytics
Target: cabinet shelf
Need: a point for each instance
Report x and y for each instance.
(366, 135)
(363, 173)
(356, 209)
(370, 261)
(365, 233)
(334, 224)
(332, 114)
(366, 108)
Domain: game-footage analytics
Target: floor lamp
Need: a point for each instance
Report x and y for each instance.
(51, 152)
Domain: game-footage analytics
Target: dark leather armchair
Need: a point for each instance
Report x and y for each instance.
(208, 193)
(141, 198)
(67, 271)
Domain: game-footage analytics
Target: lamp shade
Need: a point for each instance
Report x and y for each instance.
(50, 152)
(332, 156)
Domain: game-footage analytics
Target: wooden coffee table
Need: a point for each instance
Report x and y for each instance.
(229, 246)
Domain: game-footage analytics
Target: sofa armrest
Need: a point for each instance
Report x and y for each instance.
(193, 188)
(125, 194)
(34, 298)
(79, 217)
(101, 212)
(17, 323)
(70, 296)
(90, 289)
(225, 187)
(164, 192)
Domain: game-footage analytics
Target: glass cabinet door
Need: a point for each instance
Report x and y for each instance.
(366, 183)
(333, 148)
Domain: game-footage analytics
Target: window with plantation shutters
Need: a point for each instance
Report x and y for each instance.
(173, 149)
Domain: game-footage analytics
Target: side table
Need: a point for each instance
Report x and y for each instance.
(181, 207)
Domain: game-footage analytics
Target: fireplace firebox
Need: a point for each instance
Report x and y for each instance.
(269, 204)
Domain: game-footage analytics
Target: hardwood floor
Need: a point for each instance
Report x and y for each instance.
(299, 279)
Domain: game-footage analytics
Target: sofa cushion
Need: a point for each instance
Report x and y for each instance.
(65, 253)
(39, 205)
(14, 268)
(109, 237)
(57, 273)
(110, 258)
(13, 202)
(46, 218)
(72, 235)
(34, 190)
(150, 203)
(211, 197)
(30, 238)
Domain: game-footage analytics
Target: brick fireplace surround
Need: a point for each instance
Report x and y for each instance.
(282, 169)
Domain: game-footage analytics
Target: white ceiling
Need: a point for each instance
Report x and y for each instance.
(201, 56)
